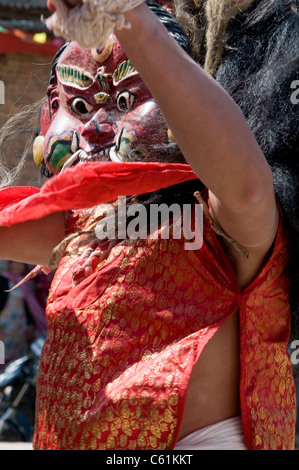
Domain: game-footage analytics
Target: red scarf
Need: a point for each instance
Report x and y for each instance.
(88, 185)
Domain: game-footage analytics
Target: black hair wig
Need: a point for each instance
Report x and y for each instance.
(171, 24)
(260, 70)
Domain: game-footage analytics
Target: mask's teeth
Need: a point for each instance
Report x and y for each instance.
(74, 144)
(80, 156)
(72, 160)
(83, 155)
(114, 156)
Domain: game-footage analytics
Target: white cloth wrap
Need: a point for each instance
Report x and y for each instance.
(91, 22)
(225, 435)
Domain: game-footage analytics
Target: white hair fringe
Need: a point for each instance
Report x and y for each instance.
(91, 22)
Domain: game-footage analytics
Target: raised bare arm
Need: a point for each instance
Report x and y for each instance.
(209, 128)
(32, 242)
(213, 135)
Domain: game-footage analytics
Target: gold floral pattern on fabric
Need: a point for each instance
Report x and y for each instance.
(269, 392)
(114, 368)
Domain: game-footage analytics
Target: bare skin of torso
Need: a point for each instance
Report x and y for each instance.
(213, 391)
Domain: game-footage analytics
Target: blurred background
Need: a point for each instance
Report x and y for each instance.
(26, 52)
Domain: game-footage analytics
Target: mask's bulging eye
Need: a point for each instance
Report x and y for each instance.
(81, 106)
(55, 104)
(125, 101)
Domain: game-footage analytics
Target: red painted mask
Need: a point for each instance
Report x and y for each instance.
(100, 110)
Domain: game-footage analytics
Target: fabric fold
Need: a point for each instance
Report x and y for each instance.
(88, 186)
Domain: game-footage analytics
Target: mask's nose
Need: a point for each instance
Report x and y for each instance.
(97, 135)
